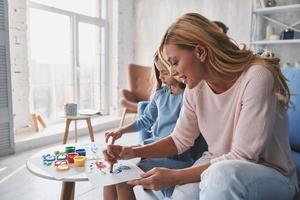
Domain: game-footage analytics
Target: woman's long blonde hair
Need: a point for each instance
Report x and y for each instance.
(226, 60)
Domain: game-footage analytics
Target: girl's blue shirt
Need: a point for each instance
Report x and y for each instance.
(161, 113)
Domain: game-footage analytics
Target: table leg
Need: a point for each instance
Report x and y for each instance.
(91, 133)
(67, 191)
(75, 130)
(68, 121)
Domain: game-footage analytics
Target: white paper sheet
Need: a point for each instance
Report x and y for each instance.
(103, 177)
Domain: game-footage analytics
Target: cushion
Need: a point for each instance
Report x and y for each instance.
(296, 158)
(293, 76)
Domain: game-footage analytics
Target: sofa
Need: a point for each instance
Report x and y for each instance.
(292, 74)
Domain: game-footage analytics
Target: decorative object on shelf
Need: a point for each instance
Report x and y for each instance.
(271, 3)
(284, 15)
(269, 31)
(287, 34)
(265, 53)
(287, 64)
(274, 37)
(262, 3)
(70, 109)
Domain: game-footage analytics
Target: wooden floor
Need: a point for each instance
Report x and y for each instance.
(17, 183)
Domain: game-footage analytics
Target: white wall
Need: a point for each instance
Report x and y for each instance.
(122, 36)
(153, 18)
(19, 63)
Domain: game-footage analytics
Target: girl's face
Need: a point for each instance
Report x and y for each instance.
(164, 74)
(188, 65)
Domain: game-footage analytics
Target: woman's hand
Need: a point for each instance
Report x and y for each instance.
(156, 179)
(114, 135)
(117, 152)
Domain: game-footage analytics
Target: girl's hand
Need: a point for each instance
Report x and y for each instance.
(114, 135)
(156, 179)
(117, 152)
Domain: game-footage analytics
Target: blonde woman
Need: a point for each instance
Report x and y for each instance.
(238, 101)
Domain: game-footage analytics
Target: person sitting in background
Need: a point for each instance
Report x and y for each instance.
(160, 115)
(221, 26)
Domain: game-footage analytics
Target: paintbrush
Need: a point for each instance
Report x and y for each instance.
(112, 163)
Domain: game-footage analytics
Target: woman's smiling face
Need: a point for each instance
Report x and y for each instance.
(188, 65)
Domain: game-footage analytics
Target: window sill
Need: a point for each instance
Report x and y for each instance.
(54, 133)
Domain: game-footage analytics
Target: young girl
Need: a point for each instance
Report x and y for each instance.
(160, 115)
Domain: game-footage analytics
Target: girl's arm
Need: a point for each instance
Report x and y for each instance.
(149, 116)
(143, 123)
(130, 128)
(118, 133)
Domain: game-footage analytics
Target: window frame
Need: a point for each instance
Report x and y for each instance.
(102, 23)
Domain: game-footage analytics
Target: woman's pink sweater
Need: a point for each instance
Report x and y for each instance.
(243, 123)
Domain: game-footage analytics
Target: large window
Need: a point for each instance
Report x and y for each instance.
(67, 48)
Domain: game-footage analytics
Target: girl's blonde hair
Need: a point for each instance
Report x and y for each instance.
(226, 60)
(156, 73)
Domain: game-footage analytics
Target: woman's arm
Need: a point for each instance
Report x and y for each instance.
(191, 174)
(160, 149)
(159, 178)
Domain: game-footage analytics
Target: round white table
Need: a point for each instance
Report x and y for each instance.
(35, 165)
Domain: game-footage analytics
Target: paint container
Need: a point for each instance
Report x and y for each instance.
(70, 149)
(71, 156)
(61, 165)
(79, 161)
(81, 152)
(62, 156)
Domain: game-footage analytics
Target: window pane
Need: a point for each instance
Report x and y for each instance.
(51, 69)
(89, 61)
(85, 7)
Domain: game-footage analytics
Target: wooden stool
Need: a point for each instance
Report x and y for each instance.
(69, 119)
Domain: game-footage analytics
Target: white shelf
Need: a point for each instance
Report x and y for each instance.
(294, 41)
(269, 10)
